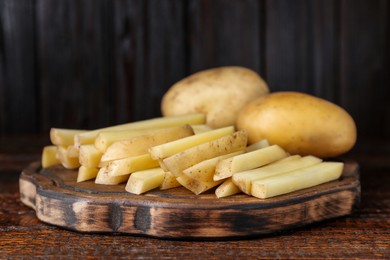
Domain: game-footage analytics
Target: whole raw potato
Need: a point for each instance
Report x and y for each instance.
(300, 123)
(219, 93)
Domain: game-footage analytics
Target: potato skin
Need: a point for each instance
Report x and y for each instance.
(219, 93)
(300, 123)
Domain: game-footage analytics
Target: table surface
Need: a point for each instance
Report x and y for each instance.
(365, 234)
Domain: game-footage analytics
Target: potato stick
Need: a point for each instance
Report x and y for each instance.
(204, 170)
(85, 173)
(227, 188)
(49, 157)
(66, 161)
(196, 186)
(146, 180)
(169, 181)
(198, 129)
(103, 178)
(89, 156)
(139, 145)
(168, 149)
(63, 137)
(258, 145)
(244, 179)
(131, 164)
(72, 152)
(248, 161)
(177, 163)
(160, 122)
(297, 180)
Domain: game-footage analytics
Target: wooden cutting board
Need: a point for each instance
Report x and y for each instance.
(88, 207)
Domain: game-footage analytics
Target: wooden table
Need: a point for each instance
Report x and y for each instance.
(365, 234)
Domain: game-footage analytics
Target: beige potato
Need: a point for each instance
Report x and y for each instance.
(299, 123)
(219, 93)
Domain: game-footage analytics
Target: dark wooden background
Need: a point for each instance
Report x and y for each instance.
(93, 63)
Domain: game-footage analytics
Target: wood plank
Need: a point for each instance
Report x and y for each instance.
(364, 59)
(224, 33)
(289, 45)
(74, 47)
(18, 105)
(176, 213)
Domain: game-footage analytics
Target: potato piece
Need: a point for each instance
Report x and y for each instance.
(72, 152)
(130, 164)
(168, 149)
(297, 180)
(227, 188)
(146, 180)
(66, 161)
(299, 123)
(169, 181)
(139, 145)
(198, 129)
(63, 137)
(196, 186)
(85, 173)
(244, 179)
(248, 161)
(89, 156)
(258, 145)
(160, 122)
(177, 163)
(219, 93)
(49, 157)
(103, 178)
(204, 170)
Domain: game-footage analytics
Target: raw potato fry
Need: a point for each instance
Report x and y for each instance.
(85, 173)
(244, 179)
(196, 186)
(131, 164)
(248, 161)
(89, 156)
(139, 145)
(198, 129)
(66, 161)
(160, 122)
(297, 180)
(177, 163)
(227, 188)
(169, 181)
(63, 137)
(49, 157)
(258, 145)
(103, 178)
(168, 149)
(146, 180)
(204, 170)
(72, 152)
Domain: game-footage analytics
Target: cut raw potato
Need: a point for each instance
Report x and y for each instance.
(138, 145)
(89, 156)
(142, 181)
(168, 149)
(227, 188)
(85, 173)
(49, 156)
(177, 163)
(196, 186)
(248, 161)
(297, 180)
(69, 162)
(63, 137)
(244, 179)
(160, 122)
(169, 181)
(130, 164)
(103, 178)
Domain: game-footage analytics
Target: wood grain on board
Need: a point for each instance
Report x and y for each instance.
(176, 213)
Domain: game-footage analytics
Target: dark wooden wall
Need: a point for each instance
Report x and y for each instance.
(92, 63)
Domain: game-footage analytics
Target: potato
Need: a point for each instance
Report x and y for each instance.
(219, 93)
(299, 123)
